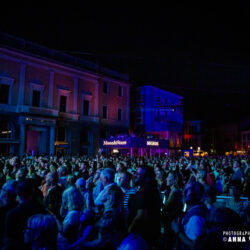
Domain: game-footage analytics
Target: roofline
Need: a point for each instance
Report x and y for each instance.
(23, 46)
(159, 89)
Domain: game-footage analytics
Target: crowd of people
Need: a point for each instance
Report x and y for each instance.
(123, 202)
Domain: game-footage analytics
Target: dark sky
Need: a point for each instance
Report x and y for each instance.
(174, 48)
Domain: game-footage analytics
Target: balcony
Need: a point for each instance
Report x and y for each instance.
(90, 118)
(7, 108)
(69, 116)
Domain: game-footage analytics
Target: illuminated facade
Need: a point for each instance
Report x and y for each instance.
(158, 114)
(134, 146)
(52, 102)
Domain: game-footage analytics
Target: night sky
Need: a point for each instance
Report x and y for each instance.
(199, 53)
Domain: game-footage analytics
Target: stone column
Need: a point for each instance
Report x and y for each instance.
(21, 83)
(22, 139)
(52, 140)
(82, 106)
(75, 95)
(51, 89)
(96, 99)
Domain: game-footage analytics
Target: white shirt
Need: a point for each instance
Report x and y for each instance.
(100, 197)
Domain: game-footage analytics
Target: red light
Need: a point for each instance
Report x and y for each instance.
(187, 136)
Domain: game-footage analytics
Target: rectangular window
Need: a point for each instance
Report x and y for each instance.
(119, 114)
(120, 91)
(104, 112)
(36, 98)
(86, 107)
(4, 93)
(105, 87)
(63, 103)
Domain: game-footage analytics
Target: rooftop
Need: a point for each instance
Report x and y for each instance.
(10, 41)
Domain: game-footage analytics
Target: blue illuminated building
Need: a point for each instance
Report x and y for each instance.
(157, 113)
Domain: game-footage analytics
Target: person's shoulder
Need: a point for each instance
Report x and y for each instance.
(133, 242)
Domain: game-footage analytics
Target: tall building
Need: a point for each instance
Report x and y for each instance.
(51, 102)
(157, 113)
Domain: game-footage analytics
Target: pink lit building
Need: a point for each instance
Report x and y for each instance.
(51, 102)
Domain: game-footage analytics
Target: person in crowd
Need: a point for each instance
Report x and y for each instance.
(62, 174)
(44, 186)
(72, 200)
(193, 224)
(112, 234)
(53, 199)
(84, 170)
(70, 232)
(8, 198)
(41, 232)
(246, 186)
(71, 180)
(113, 201)
(222, 220)
(172, 206)
(16, 218)
(119, 168)
(8, 170)
(21, 174)
(107, 179)
(238, 174)
(226, 178)
(81, 185)
(160, 178)
(209, 199)
(72, 184)
(201, 177)
(124, 180)
(235, 203)
(97, 183)
(146, 220)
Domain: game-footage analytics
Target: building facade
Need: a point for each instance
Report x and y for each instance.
(159, 114)
(192, 135)
(245, 141)
(229, 138)
(55, 103)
